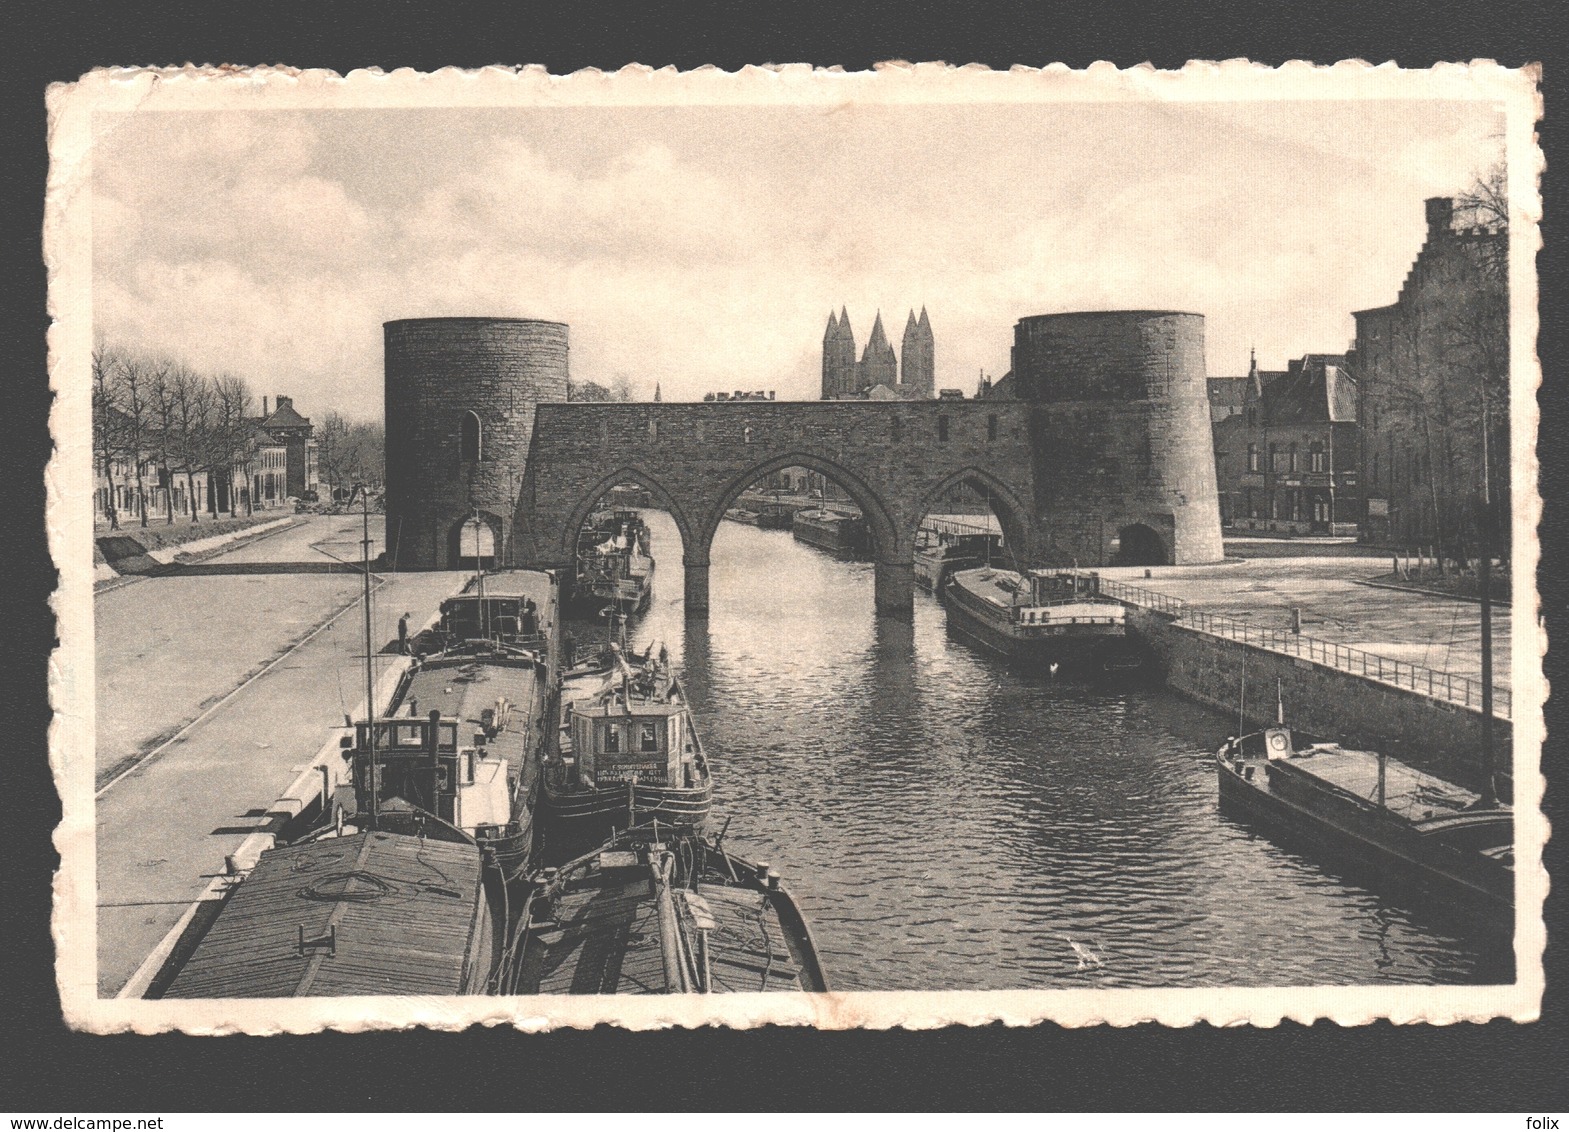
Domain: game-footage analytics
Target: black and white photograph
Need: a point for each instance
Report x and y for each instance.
(907, 547)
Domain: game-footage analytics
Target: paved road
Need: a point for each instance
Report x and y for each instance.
(174, 817)
(1440, 633)
(167, 647)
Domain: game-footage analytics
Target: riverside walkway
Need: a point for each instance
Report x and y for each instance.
(1426, 643)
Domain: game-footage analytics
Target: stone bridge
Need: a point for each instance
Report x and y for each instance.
(1101, 442)
(1047, 472)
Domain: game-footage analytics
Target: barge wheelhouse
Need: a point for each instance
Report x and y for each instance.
(627, 751)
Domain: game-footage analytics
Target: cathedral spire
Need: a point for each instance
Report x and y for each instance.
(657, 394)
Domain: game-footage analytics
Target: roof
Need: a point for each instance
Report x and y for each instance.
(285, 416)
(409, 914)
(1316, 388)
(1227, 390)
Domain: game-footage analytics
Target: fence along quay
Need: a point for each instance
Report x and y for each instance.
(1446, 686)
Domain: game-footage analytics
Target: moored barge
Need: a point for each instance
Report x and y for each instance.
(661, 909)
(615, 563)
(1056, 618)
(940, 553)
(627, 751)
(833, 531)
(1376, 813)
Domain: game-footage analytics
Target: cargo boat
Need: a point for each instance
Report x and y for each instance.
(627, 751)
(371, 911)
(741, 515)
(661, 909)
(615, 564)
(387, 894)
(941, 553)
(1053, 617)
(830, 530)
(1375, 812)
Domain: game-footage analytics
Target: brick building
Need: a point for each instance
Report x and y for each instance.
(1287, 462)
(156, 487)
(296, 433)
(877, 376)
(1430, 366)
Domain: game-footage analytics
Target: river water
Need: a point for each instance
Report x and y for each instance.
(950, 821)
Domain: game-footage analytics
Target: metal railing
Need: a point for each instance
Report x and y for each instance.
(1439, 685)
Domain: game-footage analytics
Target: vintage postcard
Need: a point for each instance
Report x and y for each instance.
(918, 547)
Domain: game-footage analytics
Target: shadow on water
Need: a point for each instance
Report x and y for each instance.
(950, 821)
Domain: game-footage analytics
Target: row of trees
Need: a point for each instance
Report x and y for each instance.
(154, 414)
(165, 423)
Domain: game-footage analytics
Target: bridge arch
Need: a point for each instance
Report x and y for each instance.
(882, 530)
(566, 547)
(1018, 525)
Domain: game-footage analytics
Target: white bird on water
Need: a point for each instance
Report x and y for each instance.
(1053, 668)
(1087, 955)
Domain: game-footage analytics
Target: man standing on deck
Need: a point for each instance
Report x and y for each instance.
(403, 634)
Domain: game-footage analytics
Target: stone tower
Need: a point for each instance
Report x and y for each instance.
(839, 369)
(878, 364)
(1145, 455)
(918, 374)
(460, 399)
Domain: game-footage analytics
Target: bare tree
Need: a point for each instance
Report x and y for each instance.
(108, 424)
(132, 385)
(233, 445)
(193, 397)
(621, 388)
(365, 453)
(161, 437)
(332, 451)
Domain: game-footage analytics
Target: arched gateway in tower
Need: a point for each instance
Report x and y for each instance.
(1108, 431)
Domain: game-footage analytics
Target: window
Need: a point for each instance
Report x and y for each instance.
(1274, 458)
(649, 739)
(898, 430)
(991, 426)
(942, 430)
(1291, 459)
(1252, 457)
(469, 449)
(1318, 459)
(612, 740)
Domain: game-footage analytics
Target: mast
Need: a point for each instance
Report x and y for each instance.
(370, 680)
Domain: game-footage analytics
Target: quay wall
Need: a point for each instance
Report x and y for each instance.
(1432, 735)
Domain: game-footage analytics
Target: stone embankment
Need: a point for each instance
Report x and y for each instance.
(122, 555)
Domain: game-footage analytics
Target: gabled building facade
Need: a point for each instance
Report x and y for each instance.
(1287, 463)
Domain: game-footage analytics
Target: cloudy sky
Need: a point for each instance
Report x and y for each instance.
(704, 247)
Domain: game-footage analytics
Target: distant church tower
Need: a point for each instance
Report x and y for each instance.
(844, 376)
(840, 372)
(878, 364)
(918, 378)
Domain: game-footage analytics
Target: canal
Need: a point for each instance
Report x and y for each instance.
(950, 821)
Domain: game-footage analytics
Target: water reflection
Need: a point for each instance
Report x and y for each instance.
(951, 822)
